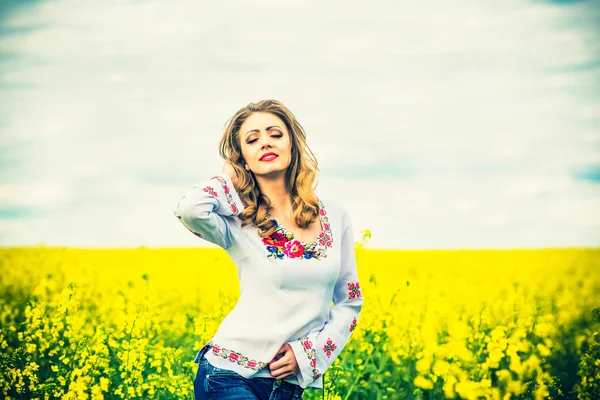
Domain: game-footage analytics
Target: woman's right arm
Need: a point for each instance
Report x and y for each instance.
(208, 210)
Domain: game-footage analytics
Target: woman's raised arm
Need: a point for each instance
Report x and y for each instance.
(209, 208)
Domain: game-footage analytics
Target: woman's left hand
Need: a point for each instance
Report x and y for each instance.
(286, 365)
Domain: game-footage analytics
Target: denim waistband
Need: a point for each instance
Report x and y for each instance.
(202, 352)
(279, 383)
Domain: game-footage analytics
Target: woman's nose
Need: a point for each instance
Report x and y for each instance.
(266, 141)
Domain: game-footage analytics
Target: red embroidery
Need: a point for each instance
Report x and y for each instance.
(277, 239)
(326, 237)
(353, 324)
(312, 355)
(195, 233)
(329, 347)
(354, 290)
(228, 195)
(294, 249)
(211, 191)
(237, 358)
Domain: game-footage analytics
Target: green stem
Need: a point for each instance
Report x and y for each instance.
(358, 376)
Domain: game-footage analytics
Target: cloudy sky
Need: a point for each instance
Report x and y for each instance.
(463, 124)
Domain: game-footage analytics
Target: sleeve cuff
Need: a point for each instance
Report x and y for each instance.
(306, 357)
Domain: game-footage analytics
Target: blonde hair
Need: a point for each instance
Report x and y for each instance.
(300, 176)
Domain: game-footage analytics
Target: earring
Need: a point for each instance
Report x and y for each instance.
(247, 168)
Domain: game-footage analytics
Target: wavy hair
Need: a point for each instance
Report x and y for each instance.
(301, 175)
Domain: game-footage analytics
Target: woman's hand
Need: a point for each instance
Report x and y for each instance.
(286, 365)
(229, 170)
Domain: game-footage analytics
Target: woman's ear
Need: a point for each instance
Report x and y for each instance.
(247, 167)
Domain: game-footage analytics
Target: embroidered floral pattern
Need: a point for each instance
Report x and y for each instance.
(325, 238)
(282, 244)
(329, 347)
(228, 195)
(293, 248)
(237, 358)
(312, 355)
(354, 290)
(353, 324)
(211, 191)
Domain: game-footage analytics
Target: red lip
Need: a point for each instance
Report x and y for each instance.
(268, 154)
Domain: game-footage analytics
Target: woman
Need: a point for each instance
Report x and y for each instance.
(294, 254)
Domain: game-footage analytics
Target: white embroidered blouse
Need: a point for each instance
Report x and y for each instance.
(286, 286)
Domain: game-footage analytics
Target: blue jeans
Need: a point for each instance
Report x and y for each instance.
(214, 383)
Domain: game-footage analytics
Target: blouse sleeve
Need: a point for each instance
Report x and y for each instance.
(316, 351)
(208, 210)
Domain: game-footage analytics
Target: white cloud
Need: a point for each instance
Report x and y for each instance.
(36, 196)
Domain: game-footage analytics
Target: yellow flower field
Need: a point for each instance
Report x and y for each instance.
(126, 324)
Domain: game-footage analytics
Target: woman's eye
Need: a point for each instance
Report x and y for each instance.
(277, 135)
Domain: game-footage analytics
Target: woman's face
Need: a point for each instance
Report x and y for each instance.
(263, 133)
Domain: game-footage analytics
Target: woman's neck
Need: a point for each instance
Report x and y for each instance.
(276, 191)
